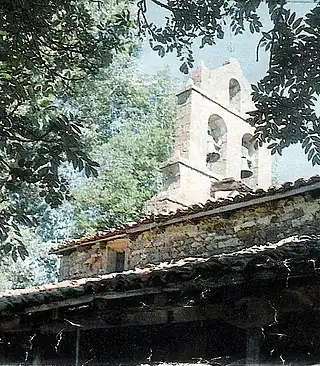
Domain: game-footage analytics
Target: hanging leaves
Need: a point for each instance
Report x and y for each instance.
(187, 20)
(285, 98)
(47, 49)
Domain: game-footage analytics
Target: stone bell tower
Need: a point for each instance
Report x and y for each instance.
(213, 152)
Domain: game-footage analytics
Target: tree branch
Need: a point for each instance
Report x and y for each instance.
(162, 5)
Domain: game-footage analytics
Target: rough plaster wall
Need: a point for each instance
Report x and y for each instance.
(219, 84)
(83, 263)
(215, 84)
(236, 128)
(182, 125)
(264, 168)
(185, 184)
(171, 177)
(198, 124)
(163, 204)
(227, 232)
(194, 178)
(205, 96)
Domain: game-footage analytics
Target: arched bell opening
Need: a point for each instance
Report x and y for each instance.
(217, 145)
(249, 160)
(235, 94)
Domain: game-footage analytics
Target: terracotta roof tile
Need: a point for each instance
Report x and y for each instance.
(274, 258)
(209, 205)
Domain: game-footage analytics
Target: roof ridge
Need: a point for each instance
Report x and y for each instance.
(192, 209)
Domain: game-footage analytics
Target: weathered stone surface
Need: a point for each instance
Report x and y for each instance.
(213, 142)
(268, 222)
(225, 232)
(83, 263)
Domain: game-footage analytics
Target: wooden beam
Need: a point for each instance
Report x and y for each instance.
(253, 347)
(138, 318)
(160, 299)
(88, 299)
(82, 300)
(77, 347)
(234, 278)
(261, 310)
(143, 316)
(87, 243)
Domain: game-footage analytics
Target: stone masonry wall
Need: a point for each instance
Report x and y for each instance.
(89, 261)
(230, 231)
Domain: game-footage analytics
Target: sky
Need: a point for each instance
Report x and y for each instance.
(293, 164)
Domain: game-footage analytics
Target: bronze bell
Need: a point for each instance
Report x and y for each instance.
(246, 171)
(213, 153)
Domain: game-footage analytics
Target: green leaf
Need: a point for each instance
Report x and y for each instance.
(305, 142)
(308, 147)
(316, 159)
(7, 248)
(297, 23)
(267, 36)
(43, 171)
(272, 146)
(14, 254)
(184, 68)
(254, 88)
(23, 253)
(289, 82)
(87, 171)
(311, 153)
(292, 17)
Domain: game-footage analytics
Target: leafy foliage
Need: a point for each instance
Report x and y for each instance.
(204, 19)
(46, 48)
(34, 270)
(286, 97)
(127, 118)
(130, 133)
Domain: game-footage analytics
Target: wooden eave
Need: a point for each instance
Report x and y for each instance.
(85, 244)
(262, 275)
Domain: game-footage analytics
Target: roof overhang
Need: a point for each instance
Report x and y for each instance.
(186, 290)
(198, 211)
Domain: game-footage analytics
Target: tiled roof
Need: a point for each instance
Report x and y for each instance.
(309, 184)
(297, 256)
(99, 235)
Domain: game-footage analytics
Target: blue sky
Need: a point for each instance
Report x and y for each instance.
(293, 164)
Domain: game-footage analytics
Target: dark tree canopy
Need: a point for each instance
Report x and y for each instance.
(46, 47)
(285, 98)
(49, 46)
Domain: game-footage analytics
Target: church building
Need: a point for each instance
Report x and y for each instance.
(223, 267)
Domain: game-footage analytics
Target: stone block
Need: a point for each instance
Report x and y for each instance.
(196, 244)
(296, 213)
(230, 243)
(212, 247)
(244, 225)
